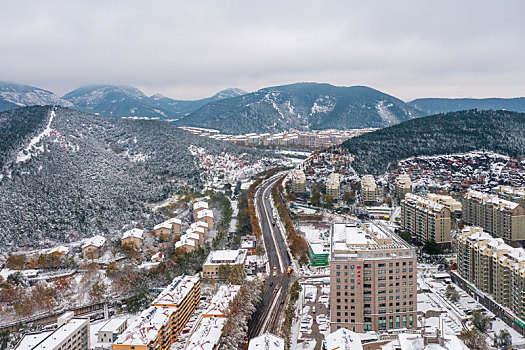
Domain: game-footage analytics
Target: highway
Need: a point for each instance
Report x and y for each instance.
(268, 317)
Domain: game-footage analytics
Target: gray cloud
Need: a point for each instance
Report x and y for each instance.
(407, 48)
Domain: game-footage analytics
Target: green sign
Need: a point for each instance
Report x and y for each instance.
(518, 321)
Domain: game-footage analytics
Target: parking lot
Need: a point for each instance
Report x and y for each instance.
(314, 316)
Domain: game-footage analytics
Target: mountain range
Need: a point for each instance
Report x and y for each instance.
(300, 106)
(65, 174)
(501, 132)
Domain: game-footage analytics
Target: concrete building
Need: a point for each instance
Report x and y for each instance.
(109, 333)
(92, 247)
(403, 185)
(185, 244)
(453, 205)
(425, 219)
(217, 258)
(372, 279)
(133, 237)
(175, 225)
(72, 334)
(267, 341)
(197, 207)
(158, 326)
(332, 185)
(368, 189)
(499, 217)
(249, 243)
(298, 181)
(513, 194)
(494, 268)
(206, 216)
(163, 230)
(415, 341)
(342, 339)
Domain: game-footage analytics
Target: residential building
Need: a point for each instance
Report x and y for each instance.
(133, 237)
(217, 258)
(342, 339)
(197, 207)
(249, 243)
(448, 201)
(109, 333)
(499, 217)
(163, 230)
(372, 279)
(513, 194)
(73, 334)
(425, 219)
(206, 215)
(185, 244)
(368, 189)
(415, 341)
(175, 225)
(267, 341)
(494, 268)
(158, 326)
(403, 185)
(332, 185)
(298, 181)
(92, 247)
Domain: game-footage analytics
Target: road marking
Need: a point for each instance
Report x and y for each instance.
(281, 264)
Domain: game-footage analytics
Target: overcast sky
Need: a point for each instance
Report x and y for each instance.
(191, 49)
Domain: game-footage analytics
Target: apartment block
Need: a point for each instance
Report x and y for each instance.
(372, 279)
(368, 189)
(332, 185)
(217, 258)
(448, 201)
(403, 185)
(158, 326)
(493, 267)
(513, 194)
(425, 219)
(298, 181)
(71, 333)
(499, 217)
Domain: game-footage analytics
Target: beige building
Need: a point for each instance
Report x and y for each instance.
(513, 194)
(175, 225)
(206, 215)
(185, 244)
(71, 333)
(298, 181)
(372, 280)
(197, 207)
(217, 258)
(499, 217)
(133, 237)
(425, 219)
(493, 267)
(453, 205)
(332, 185)
(403, 185)
(368, 189)
(92, 247)
(163, 230)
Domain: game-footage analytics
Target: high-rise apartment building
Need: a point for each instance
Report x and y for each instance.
(368, 189)
(332, 185)
(372, 279)
(453, 205)
(513, 194)
(425, 219)
(499, 217)
(493, 267)
(298, 181)
(403, 185)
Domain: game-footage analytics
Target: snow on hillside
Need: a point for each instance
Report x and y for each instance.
(32, 148)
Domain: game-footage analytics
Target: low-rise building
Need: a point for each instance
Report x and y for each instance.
(425, 219)
(319, 253)
(403, 185)
(415, 341)
(332, 185)
(133, 237)
(372, 279)
(158, 326)
(298, 181)
(197, 207)
(109, 333)
(267, 341)
(499, 217)
(249, 243)
(206, 215)
(368, 189)
(92, 247)
(185, 244)
(175, 225)
(342, 339)
(217, 258)
(73, 334)
(163, 230)
(157, 257)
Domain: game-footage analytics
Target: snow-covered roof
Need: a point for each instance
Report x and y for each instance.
(205, 213)
(146, 326)
(220, 301)
(217, 257)
(266, 341)
(165, 225)
(156, 256)
(97, 241)
(200, 205)
(113, 325)
(343, 339)
(135, 232)
(176, 291)
(174, 221)
(207, 334)
(51, 340)
(59, 250)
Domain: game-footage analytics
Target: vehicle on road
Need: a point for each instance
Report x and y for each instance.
(289, 271)
(275, 290)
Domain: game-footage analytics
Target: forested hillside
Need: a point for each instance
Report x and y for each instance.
(66, 174)
(498, 131)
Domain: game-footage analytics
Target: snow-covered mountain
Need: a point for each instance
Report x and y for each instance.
(14, 95)
(302, 106)
(431, 106)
